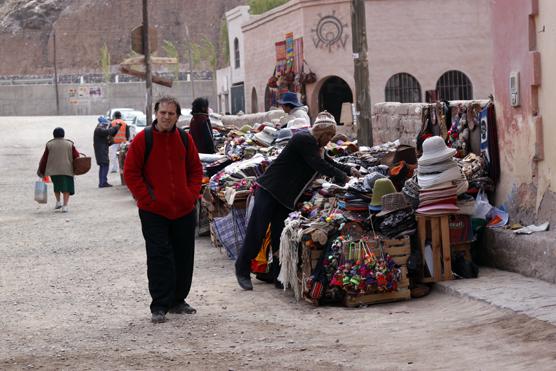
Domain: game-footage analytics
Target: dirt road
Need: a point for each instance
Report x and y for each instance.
(73, 295)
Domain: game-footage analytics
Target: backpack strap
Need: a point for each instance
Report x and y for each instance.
(149, 141)
(184, 139)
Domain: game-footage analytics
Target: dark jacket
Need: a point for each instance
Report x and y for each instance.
(100, 142)
(296, 167)
(170, 182)
(201, 131)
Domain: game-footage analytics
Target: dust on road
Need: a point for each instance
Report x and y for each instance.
(74, 296)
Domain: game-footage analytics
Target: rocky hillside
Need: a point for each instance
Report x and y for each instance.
(82, 27)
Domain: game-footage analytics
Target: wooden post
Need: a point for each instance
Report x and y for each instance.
(148, 71)
(56, 74)
(361, 76)
(190, 62)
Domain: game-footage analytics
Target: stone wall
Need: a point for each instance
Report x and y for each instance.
(92, 99)
(393, 121)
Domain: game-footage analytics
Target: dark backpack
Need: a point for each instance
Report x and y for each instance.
(149, 141)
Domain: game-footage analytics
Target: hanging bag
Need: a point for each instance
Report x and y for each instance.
(307, 78)
(41, 191)
(81, 164)
(273, 80)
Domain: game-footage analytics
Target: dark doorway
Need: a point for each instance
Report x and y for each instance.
(332, 94)
(238, 98)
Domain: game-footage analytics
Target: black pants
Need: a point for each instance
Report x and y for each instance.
(170, 252)
(266, 210)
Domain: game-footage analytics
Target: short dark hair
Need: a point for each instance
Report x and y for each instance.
(289, 105)
(168, 99)
(58, 133)
(200, 105)
(117, 115)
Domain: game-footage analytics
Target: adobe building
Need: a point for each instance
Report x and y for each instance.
(416, 48)
(524, 39)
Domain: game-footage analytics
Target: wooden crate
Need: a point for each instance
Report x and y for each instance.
(436, 229)
(399, 250)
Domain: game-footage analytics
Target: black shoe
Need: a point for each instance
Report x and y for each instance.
(158, 317)
(183, 308)
(264, 277)
(107, 185)
(244, 282)
(278, 285)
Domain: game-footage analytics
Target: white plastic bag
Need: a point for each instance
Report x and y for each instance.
(41, 192)
(482, 206)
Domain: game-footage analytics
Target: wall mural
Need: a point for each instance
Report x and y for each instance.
(330, 32)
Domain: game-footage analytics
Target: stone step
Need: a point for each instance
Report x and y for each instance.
(530, 255)
(511, 291)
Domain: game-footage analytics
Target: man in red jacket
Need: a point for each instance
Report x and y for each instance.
(166, 185)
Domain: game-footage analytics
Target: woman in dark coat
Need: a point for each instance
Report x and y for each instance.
(200, 127)
(101, 145)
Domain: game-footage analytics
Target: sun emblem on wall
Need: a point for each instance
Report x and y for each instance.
(330, 32)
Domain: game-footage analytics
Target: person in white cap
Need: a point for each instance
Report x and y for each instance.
(281, 186)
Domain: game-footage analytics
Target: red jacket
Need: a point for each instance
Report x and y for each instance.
(170, 182)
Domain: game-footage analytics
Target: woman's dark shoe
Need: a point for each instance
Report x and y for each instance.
(183, 308)
(158, 317)
(244, 282)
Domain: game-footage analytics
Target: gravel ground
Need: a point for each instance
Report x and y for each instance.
(74, 296)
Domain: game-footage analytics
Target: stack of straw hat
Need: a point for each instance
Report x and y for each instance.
(439, 178)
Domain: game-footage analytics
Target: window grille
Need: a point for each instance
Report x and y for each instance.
(454, 85)
(403, 88)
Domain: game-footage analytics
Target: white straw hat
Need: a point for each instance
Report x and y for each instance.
(435, 151)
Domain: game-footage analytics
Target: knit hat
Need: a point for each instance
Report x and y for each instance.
(393, 202)
(382, 187)
(102, 120)
(435, 150)
(324, 123)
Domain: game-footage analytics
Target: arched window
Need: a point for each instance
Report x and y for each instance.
(403, 88)
(236, 52)
(454, 85)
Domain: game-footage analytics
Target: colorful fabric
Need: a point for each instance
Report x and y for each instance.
(230, 231)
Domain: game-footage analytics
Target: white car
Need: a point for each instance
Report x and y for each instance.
(128, 115)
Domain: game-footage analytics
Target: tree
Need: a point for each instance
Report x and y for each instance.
(172, 52)
(196, 58)
(208, 53)
(224, 44)
(261, 6)
(105, 63)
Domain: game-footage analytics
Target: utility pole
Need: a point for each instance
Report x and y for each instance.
(361, 76)
(190, 63)
(148, 70)
(56, 74)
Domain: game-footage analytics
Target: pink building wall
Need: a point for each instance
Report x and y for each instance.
(519, 128)
(424, 38)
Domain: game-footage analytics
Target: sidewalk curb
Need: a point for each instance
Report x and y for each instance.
(533, 298)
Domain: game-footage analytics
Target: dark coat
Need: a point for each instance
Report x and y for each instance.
(296, 167)
(100, 142)
(201, 132)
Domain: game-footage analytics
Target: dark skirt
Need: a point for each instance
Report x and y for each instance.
(63, 183)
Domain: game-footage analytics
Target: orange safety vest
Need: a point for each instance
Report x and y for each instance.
(120, 135)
